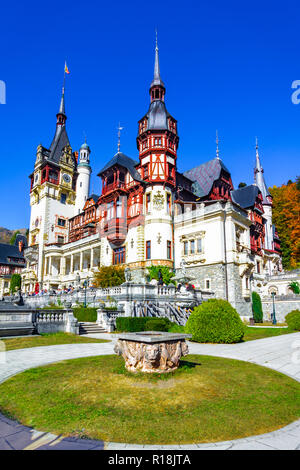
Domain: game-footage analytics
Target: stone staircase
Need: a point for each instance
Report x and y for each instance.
(86, 328)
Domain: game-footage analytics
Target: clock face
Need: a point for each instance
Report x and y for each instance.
(67, 178)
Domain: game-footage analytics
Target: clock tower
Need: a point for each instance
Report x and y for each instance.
(52, 194)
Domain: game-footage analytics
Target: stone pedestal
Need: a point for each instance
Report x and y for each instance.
(152, 351)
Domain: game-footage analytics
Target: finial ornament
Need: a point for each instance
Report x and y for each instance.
(156, 46)
(119, 136)
(217, 142)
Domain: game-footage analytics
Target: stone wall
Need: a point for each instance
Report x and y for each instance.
(282, 308)
(216, 275)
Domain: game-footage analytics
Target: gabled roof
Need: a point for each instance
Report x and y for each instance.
(11, 251)
(60, 141)
(204, 175)
(124, 161)
(246, 196)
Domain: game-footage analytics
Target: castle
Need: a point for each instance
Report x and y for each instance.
(148, 213)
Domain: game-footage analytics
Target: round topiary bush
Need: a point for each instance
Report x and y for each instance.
(293, 320)
(215, 321)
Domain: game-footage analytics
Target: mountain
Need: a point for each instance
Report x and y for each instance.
(6, 234)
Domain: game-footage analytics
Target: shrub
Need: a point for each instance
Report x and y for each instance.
(85, 314)
(15, 283)
(166, 273)
(293, 320)
(215, 321)
(131, 324)
(157, 324)
(175, 328)
(109, 276)
(257, 308)
(295, 287)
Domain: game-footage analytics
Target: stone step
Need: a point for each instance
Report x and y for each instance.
(87, 328)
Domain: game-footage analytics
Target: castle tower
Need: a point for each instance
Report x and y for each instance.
(267, 201)
(52, 195)
(83, 180)
(157, 142)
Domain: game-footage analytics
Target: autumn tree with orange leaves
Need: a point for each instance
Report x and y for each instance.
(286, 217)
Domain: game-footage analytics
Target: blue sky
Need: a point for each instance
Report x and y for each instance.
(226, 66)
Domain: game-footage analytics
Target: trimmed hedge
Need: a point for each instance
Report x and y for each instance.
(131, 324)
(257, 308)
(293, 320)
(215, 321)
(85, 314)
(157, 324)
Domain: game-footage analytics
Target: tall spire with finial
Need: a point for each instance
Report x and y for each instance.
(61, 115)
(217, 142)
(157, 88)
(259, 179)
(119, 136)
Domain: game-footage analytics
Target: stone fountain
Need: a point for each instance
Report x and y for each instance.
(152, 351)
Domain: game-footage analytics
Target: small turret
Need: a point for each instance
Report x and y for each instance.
(83, 179)
(84, 154)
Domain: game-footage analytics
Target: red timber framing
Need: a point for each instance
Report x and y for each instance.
(84, 224)
(221, 187)
(121, 204)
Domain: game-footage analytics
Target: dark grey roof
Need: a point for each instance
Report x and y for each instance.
(94, 197)
(246, 196)
(60, 141)
(124, 161)
(157, 115)
(11, 251)
(204, 175)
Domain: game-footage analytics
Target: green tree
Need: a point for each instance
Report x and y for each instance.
(257, 308)
(109, 276)
(15, 283)
(166, 273)
(242, 185)
(13, 238)
(295, 287)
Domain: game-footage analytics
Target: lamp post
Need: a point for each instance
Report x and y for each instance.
(274, 313)
(85, 284)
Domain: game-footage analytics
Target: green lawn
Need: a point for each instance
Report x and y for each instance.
(259, 333)
(209, 399)
(47, 340)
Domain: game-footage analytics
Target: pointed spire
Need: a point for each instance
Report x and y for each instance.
(217, 142)
(119, 136)
(259, 179)
(62, 103)
(156, 79)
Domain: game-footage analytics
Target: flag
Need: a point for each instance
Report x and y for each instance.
(66, 68)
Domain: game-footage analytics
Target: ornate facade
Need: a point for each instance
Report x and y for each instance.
(149, 213)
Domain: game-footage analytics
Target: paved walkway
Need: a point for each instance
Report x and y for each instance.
(281, 353)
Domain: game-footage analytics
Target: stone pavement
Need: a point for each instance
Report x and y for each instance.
(281, 353)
